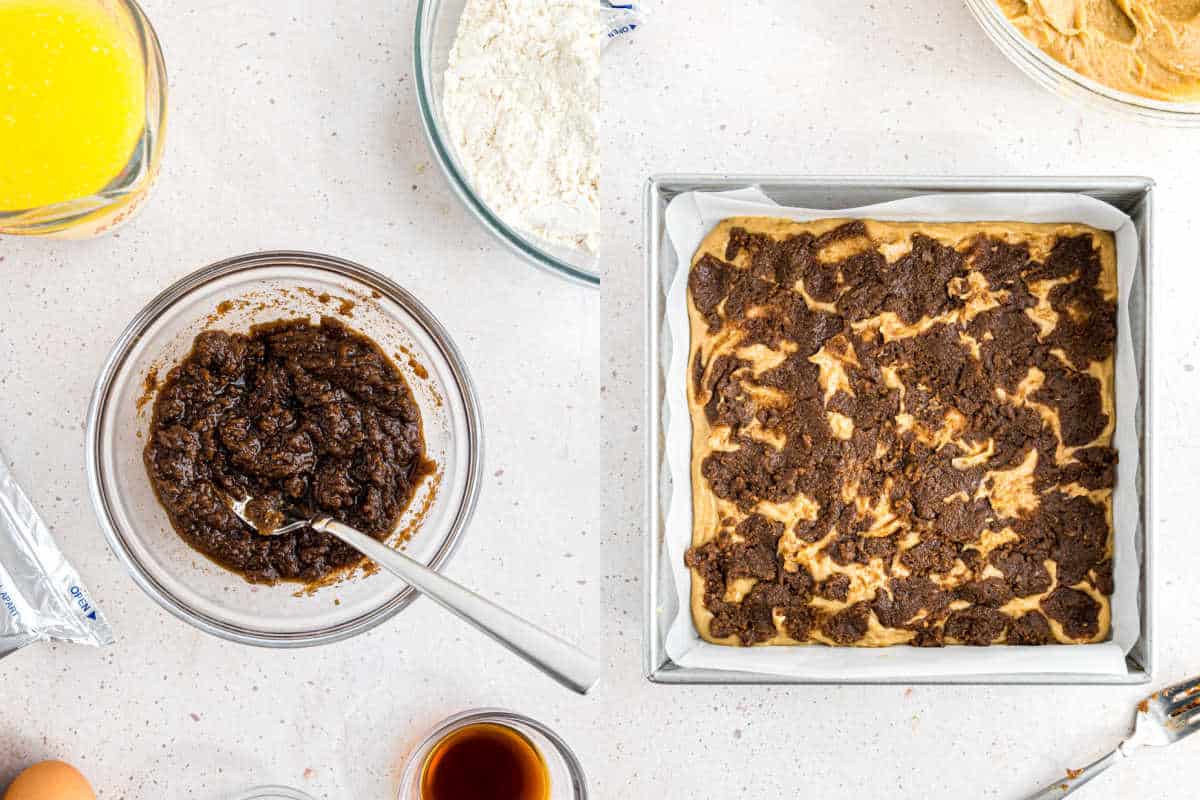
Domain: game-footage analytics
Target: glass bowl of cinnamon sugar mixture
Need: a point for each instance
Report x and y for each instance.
(305, 326)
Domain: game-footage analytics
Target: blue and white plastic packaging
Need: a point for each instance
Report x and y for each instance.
(620, 19)
(41, 595)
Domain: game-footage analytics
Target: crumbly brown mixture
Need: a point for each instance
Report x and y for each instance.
(902, 444)
(303, 419)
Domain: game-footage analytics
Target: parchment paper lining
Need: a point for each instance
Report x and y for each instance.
(689, 218)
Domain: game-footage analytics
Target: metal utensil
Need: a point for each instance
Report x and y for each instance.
(556, 657)
(1163, 718)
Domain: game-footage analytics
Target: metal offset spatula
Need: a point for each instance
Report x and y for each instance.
(556, 657)
(1163, 718)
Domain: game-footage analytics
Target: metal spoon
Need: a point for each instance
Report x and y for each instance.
(556, 657)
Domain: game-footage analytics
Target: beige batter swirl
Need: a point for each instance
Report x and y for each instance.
(1144, 47)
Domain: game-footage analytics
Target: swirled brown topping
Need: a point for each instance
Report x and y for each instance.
(303, 420)
(901, 432)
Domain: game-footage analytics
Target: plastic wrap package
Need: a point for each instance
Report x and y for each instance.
(41, 595)
(620, 18)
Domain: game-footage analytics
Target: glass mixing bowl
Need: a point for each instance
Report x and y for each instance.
(273, 793)
(567, 780)
(1066, 82)
(437, 24)
(233, 295)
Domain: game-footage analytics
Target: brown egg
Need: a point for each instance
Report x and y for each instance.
(50, 780)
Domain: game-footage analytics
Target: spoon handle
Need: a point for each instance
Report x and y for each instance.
(556, 657)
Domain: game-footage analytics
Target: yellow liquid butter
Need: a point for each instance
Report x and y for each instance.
(72, 100)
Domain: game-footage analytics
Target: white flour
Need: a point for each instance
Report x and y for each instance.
(522, 91)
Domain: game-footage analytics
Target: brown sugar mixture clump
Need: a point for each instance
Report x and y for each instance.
(304, 419)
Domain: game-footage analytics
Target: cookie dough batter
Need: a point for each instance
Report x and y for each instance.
(1145, 47)
(901, 432)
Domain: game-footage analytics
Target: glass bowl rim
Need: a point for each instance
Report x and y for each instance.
(163, 302)
(462, 188)
(501, 716)
(272, 792)
(1030, 58)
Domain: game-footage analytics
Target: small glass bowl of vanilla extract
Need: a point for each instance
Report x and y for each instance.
(492, 754)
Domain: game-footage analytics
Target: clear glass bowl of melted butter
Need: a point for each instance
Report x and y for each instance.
(83, 109)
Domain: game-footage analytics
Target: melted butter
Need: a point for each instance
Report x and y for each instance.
(72, 100)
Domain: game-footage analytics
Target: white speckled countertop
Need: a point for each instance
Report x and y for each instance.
(291, 128)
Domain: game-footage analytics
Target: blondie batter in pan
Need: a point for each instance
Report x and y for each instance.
(902, 432)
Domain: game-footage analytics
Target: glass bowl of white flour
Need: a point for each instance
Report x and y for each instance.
(509, 95)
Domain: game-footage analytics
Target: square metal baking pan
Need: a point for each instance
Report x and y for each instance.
(1132, 195)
